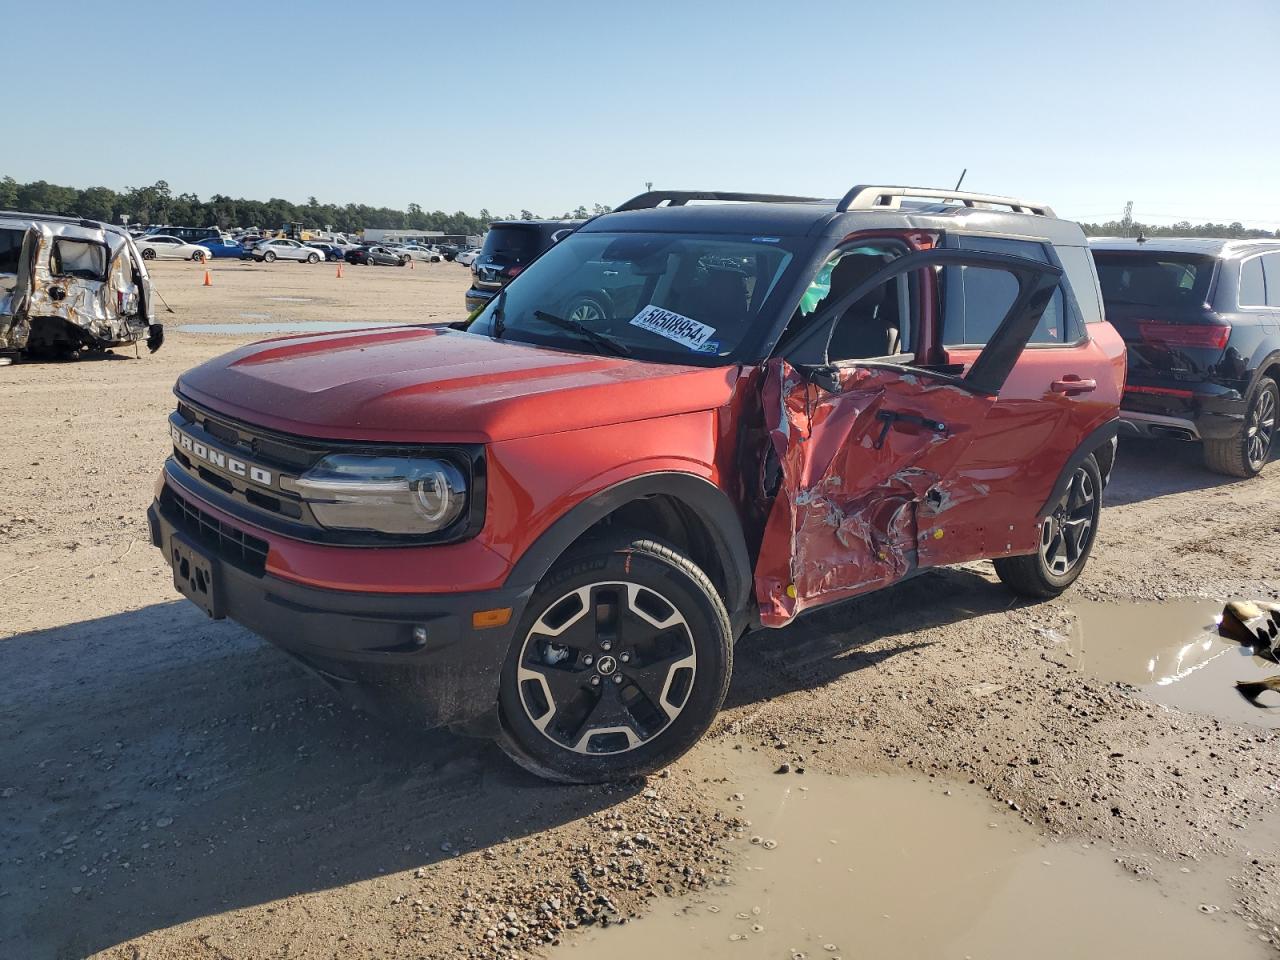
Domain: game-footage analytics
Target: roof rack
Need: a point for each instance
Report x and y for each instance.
(678, 198)
(866, 197)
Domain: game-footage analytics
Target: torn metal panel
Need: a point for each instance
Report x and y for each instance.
(858, 470)
(72, 285)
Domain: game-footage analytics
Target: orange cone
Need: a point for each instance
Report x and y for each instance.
(339, 269)
(208, 279)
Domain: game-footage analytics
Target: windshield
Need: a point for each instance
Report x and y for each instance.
(670, 297)
(1154, 279)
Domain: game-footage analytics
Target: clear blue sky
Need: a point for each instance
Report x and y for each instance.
(545, 105)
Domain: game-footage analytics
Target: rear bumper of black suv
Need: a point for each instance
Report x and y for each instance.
(477, 298)
(417, 656)
(1203, 411)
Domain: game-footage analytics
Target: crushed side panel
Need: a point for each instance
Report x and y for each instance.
(844, 519)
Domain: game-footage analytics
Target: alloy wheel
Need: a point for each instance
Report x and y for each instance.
(1260, 428)
(606, 668)
(586, 311)
(1067, 531)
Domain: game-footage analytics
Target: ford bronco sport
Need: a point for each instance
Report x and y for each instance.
(553, 530)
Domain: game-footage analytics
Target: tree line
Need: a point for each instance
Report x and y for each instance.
(1183, 228)
(157, 204)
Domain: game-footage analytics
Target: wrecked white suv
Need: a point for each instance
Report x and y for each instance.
(68, 285)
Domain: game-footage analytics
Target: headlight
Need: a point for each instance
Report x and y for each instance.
(411, 495)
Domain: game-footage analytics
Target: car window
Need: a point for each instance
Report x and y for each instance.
(1253, 291)
(882, 323)
(976, 299)
(78, 258)
(10, 249)
(1271, 271)
(677, 297)
(1153, 278)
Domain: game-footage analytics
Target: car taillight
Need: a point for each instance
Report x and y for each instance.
(513, 271)
(1206, 335)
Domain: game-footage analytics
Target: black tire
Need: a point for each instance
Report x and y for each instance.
(269, 256)
(687, 656)
(1063, 534)
(313, 258)
(1245, 454)
(148, 254)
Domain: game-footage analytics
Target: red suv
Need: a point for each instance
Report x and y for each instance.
(553, 530)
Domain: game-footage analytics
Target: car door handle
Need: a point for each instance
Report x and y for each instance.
(1071, 385)
(890, 417)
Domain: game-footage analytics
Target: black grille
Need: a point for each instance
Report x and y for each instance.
(235, 546)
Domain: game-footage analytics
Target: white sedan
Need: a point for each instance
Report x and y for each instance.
(418, 252)
(271, 250)
(161, 247)
(466, 257)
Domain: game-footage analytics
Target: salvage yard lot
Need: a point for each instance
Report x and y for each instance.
(172, 787)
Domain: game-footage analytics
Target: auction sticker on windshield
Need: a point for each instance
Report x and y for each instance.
(673, 326)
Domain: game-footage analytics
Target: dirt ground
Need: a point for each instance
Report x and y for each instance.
(171, 787)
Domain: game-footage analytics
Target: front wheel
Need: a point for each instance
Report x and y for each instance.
(269, 256)
(1066, 539)
(313, 258)
(148, 254)
(618, 667)
(1246, 453)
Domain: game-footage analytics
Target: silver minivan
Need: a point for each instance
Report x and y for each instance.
(68, 285)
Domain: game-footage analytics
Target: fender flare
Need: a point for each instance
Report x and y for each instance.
(1269, 360)
(711, 504)
(1099, 436)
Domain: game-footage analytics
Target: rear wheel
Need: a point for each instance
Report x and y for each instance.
(620, 664)
(586, 308)
(148, 254)
(1246, 453)
(269, 256)
(1066, 539)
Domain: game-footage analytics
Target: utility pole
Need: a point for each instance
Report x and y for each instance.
(648, 185)
(1127, 220)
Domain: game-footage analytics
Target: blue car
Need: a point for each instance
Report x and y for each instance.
(221, 247)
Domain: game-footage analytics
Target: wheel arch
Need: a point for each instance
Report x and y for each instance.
(1101, 441)
(690, 512)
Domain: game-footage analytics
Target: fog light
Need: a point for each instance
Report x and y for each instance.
(483, 619)
(420, 635)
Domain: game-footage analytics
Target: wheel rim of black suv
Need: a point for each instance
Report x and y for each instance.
(1262, 424)
(606, 668)
(1066, 533)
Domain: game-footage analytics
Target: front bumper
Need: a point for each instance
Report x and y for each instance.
(416, 655)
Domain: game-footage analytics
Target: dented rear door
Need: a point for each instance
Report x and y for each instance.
(868, 448)
(15, 323)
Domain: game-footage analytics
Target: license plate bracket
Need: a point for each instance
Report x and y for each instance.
(195, 575)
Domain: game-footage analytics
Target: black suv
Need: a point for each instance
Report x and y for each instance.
(509, 247)
(1201, 319)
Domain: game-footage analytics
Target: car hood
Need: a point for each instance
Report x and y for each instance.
(423, 384)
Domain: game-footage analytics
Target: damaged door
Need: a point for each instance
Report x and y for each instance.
(860, 444)
(15, 321)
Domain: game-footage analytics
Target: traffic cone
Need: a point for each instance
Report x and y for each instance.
(208, 279)
(411, 263)
(339, 269)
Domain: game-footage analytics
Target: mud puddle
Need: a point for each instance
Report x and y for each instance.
(892, 867)
(282, 326)
(1172, 652)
